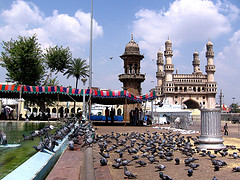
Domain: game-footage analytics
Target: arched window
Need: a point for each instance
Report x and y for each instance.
(48, 110)
(54, 110)
(66, 110)
(119, 112)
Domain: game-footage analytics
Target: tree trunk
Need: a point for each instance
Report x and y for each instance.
(74, 103)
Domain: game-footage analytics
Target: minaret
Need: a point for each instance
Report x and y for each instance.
(210, 70)
(132, 78)
(160, 72)
(196, 63)
(168, 69)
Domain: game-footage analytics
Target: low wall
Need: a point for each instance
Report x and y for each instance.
(40, 164)
(229, 116)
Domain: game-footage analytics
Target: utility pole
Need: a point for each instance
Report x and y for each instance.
(90, 60)
(90, 51)
(221, 96)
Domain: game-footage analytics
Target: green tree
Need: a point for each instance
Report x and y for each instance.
(77, 68)
(234, 108)
(57, 59)
(23, 60)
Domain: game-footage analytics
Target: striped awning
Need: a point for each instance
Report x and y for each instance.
(48, 90)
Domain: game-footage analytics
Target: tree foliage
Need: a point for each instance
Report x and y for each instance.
(58, 58)
(234, 108)
(23, 60)
(77, 68)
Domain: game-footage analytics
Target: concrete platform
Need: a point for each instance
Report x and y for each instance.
(76, 164)
(69, 165)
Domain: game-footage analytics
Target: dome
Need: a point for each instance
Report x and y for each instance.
(160, 52)
(195, 53)
(209, 43)
(168, 42)
(132, 47)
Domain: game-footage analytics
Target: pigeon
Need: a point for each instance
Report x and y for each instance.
(216, 168)
(212, 156)
(39, 147)
(168, 158)
(117, 165)
(141, 163)
(223, 154)
(160, 167)
(214, 178)
(234, 155)
(190, 172)
(71, 145)
(193, 166)
(103, 161)
(152, 160)
(105, 155)
(177, 161)
(129, 174)
(119, 160)
(135, 157)
(126, 162)
(236, 169)
(164, 177)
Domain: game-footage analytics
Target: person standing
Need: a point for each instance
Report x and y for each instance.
(106, 114)
(141, 117)
(135, 116)
(112, 114)
(225, 128)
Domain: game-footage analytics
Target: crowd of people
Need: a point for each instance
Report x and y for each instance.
(8, 112)
(137, 117)
(110, 114)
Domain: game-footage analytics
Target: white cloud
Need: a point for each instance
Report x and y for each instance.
(25, 19)
(22, 14)
(184, 21)
(187, 22)
(227, 66)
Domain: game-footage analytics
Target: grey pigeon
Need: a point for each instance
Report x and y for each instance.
(141, 163)
(193, 166)
(177, 161)
(190, 172)
(214, 178)
(164, 177)
(103, 161)
(116, 166)
(236, 169)
(160, 167)
(129, 174)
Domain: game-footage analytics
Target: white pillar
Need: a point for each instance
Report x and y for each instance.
(211, 137)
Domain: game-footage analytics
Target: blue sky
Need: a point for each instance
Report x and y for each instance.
(188, 23)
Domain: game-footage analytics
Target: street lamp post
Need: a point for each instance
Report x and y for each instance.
(84, 111)
(90, 51)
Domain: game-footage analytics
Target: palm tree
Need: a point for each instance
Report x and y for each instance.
(77, 68)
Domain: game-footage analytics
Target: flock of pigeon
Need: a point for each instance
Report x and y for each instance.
(143, 148)
(154, 148)
(49, 140)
